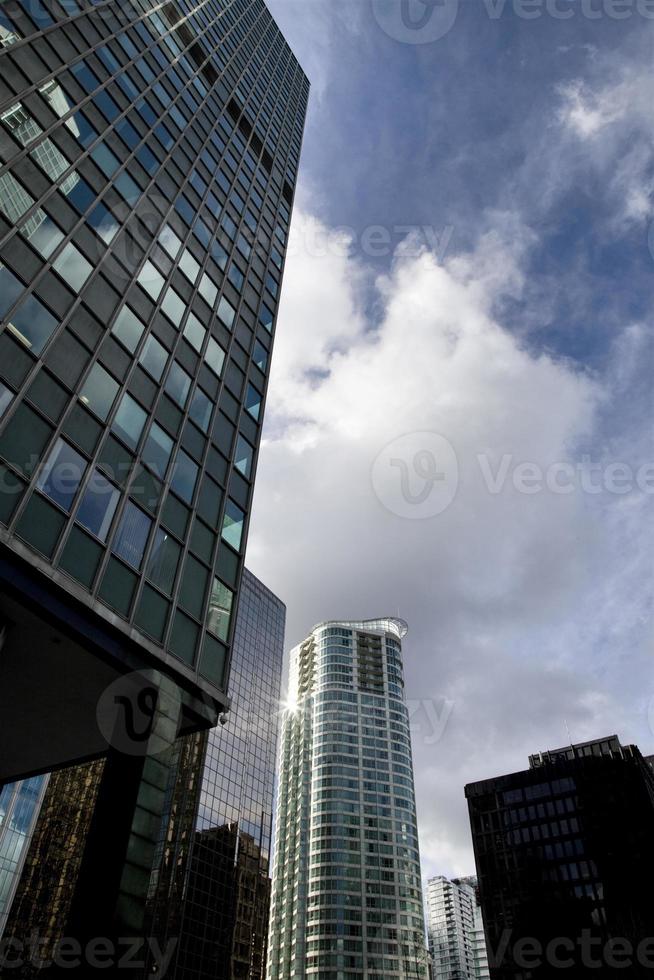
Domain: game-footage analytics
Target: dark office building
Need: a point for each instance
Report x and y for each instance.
(565, 861)
(148, 159)
(210, 885)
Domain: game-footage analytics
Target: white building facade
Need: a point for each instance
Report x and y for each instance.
(457, 943)
(347, 895)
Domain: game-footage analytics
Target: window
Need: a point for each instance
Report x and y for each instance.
(220, 610)
(173, 306)
(32, 324)
(214, 356)
(243, 456)
(151, 280)
(253, 402)
(86, 78)
(107, 161)
(62, 474)
(106, 105)
(128, 328)
(157, 449)
(201, 408)
(98, 505)
(177, 384)
(128, 134)
(153, 358)
(272, 285)
(233, 520)
(129, 421)
(208, 289)
(236, 277)
(169, 240)
(194, 332)
(185, 474)
(132, 535)
(129, 189)
(78, 192)
(226, 312)
(10, 289)
(260, 356)
(189, 266)
(103, 223)
(99, 391)
(45, 236)
(73, 267)
(266, 317)
(163, 561)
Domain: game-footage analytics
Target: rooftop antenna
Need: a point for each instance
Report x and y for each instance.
(569, 736)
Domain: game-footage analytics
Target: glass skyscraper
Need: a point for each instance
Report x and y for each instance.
(210, 883)
(347, 896)
(148, 160)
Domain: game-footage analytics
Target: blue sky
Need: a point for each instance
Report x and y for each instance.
(514, 321)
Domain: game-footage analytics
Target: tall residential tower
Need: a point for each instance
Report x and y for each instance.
(456, 931)
(347, 897)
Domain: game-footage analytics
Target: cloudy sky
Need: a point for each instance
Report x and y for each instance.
(459, 422)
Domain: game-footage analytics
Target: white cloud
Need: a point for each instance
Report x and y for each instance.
(506, 593)
(611, 116)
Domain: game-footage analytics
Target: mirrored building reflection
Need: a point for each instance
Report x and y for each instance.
(211, 884)
(19, 809)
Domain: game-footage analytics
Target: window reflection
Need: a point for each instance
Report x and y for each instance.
(132, 535)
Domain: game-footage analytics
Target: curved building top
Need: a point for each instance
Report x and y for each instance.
(388, 624)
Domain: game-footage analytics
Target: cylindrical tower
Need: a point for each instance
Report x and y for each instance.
(347, 898)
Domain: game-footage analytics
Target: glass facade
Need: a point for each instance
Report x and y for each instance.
(347, 896)
(19, 809)
(211, 881)
(565, 855)
(46, 884)
(148, 159)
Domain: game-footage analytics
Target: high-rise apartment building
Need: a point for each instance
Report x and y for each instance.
(148, 159)
(210, 884)
(455, 929)
(565, 857)
(347, 895)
